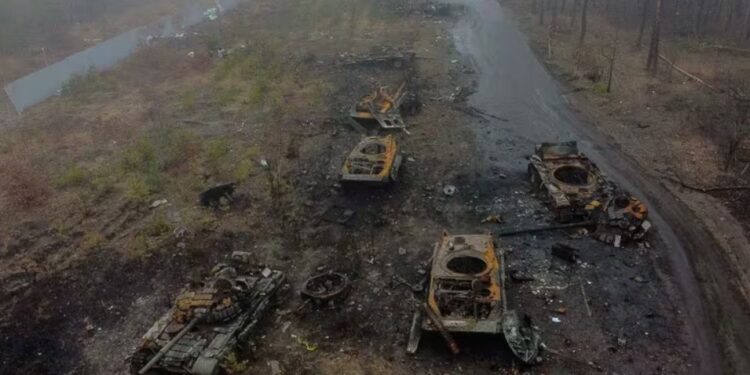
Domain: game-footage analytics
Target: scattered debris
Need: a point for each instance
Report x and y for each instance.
(374, 161)
(213, 196)
(493, 219)
(338, 214)
(585, 298)
(327, 288)
(212, 14)
(522, 336)
(560, 310)
(449, 190)
(275, 367)
(17, 282)
(398, 281)
(565, 252)
(520, 276)
(397, 59)
(241, 256)
(206, 322)
(310, 347)
(158, 203)
(380, 107)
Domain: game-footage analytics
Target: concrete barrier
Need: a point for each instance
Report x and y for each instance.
(45, 83)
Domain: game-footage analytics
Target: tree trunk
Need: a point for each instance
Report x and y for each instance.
(574, 13)
(642, 28)
(699, 18)
(542, 6)
(554, 14)
(612, 66)
(747, 22)
(652, 64)
(584, 21)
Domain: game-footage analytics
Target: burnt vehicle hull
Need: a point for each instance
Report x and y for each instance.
(380, 109)
(375, 161)
(577, 190)
(566, 179)
(206, 323)
(467, 295)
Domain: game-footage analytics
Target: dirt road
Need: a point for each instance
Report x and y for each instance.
(514, 86)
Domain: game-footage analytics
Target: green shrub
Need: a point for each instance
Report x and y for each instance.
(248, 79)
(138, 246)
(217, 149)
(91, 240)
(93, 82)
(187, 101)
(157, 226)
(678, 103)
(137, 189)
(73, 176)
(599, 88)
(233, 366)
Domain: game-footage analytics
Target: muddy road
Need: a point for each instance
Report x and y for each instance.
(528, 106)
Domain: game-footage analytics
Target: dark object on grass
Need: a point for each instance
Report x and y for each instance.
(212, 197)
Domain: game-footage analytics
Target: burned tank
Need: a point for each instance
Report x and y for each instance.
(578, 191)
(207, 321)
(374, 161)
(466, 294)
(380, 108)
(566, 179)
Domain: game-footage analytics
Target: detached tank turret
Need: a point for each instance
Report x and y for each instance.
(206, 322)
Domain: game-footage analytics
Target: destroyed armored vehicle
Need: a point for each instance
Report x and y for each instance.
(207, 322)
(380, 108)
(466, 294)
(566, 178)
(578, 191)
(374, 161)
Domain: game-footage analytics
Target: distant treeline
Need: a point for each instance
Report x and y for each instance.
(712, 19)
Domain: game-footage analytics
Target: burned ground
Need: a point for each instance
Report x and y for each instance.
(98, 256)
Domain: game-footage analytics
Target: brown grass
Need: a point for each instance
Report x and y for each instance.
(23, 185)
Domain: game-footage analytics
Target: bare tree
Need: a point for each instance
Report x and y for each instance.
(652, 64)
(542, 6)
(612, 57)
(574, 13)
(584, 21)
(644, 18)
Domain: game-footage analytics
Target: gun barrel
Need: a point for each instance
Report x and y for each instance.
(169, 345)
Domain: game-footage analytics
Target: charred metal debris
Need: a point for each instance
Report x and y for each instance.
(380, 108)
(577, 191)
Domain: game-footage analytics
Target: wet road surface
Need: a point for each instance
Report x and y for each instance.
(513, 85)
